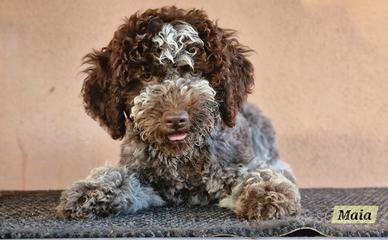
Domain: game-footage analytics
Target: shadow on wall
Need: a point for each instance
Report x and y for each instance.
(335, 160)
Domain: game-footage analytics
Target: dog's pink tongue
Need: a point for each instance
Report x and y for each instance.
(177, 136)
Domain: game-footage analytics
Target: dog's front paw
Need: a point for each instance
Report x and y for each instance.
(268, 195)
(86, 200)
(97, 195)
(106, 191)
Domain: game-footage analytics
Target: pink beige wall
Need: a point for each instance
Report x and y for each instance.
(321, 70)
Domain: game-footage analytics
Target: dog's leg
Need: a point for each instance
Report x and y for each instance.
(264, 194)
(106, 191)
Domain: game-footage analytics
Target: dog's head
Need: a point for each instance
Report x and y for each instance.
(170, 73)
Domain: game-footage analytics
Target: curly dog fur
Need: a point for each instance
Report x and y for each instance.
(173, 86)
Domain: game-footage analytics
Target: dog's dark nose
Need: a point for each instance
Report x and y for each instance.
(176, 120)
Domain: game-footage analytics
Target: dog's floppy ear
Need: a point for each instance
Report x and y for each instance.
(238, 79)
(232, 73)
(101, 95)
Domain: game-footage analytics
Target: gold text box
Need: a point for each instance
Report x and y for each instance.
(354, 214)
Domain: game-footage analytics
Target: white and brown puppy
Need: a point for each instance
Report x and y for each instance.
(173, 84)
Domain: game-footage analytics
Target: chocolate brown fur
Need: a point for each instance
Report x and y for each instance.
(174, 85)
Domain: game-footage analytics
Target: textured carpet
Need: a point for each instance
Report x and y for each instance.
(31, 215)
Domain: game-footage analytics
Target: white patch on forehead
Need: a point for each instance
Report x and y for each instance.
(173, 40)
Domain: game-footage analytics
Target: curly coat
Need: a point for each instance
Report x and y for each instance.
(126, 65)
(229, 155)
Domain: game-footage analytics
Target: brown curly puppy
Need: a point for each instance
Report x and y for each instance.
(173, 84)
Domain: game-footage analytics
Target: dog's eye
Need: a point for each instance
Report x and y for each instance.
(192, 50)
(147, 77)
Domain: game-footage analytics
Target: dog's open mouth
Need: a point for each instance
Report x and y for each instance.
(178, 136)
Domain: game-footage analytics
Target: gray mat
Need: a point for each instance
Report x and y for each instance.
(31, 215)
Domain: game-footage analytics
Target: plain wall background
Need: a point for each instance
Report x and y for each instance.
(321, 75)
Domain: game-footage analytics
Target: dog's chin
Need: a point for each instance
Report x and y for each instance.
(176, 144)
(177, 137)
